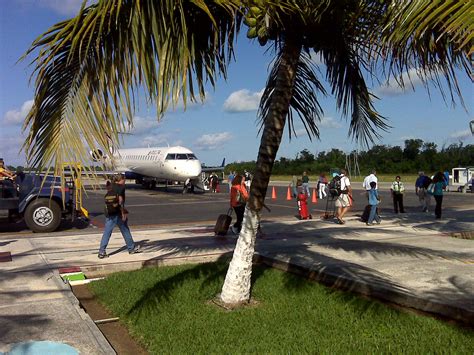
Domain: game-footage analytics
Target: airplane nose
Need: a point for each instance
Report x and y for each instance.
(196, 170)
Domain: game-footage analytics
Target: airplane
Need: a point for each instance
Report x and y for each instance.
(148, 166)
(208, 169)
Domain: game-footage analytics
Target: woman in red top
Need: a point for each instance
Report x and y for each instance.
(238, 199)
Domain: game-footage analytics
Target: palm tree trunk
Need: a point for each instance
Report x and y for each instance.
(237, 283)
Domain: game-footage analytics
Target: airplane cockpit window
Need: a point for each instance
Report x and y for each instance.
(182, 156)
(171, 156)
(191, 157)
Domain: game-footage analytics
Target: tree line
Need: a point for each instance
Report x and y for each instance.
(416, 155)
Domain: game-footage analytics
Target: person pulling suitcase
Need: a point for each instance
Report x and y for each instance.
(238, 200)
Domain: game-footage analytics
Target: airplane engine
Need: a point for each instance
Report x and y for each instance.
(97, 155)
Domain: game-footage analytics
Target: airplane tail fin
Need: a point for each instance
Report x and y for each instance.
(223, 162)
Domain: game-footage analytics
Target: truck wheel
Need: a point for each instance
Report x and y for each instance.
(43, 215)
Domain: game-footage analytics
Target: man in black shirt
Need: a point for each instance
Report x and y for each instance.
(115, 215)
(119, 186)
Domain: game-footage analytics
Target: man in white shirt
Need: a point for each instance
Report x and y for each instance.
(368, 179)
(343, 201)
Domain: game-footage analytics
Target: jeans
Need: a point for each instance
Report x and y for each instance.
(110, 223)
(439, 202)
(295, 191)
(373, 214)
(425, 199)
(398, 203)
(306, 188)
(239, 212)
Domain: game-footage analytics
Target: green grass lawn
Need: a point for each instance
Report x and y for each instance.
(168, 310)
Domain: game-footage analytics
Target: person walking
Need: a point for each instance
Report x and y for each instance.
(343, 201)
(374, 200)
(115, 215)
(372, 177)
(305, 181)
(248, 180)
(397, 189)
(322, 183)
(294, 186)
(421, 184)
(119, 186)
(229, 180)
(238, 200)
(213, 182)
(439, 183)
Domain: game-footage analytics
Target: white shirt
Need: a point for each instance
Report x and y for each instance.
(344, 182)
(368, 179)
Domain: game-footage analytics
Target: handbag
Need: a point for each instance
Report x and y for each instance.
(240, 198)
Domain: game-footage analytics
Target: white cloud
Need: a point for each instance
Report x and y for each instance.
(17, 116)
(10, 150)
(410, 79)
(64, 7)
(243, 101)
(143, 125)
(461, 135)
(155, 140)
(329, 122)
(213, 141)
(190, 105)
(326, 122)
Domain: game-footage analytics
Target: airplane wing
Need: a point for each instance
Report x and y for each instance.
(209, 169)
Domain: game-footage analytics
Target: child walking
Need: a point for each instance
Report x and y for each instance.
(374, 200)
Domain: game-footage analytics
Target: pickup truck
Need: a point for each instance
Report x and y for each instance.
(41, 200)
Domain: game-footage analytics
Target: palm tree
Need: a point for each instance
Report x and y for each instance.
(350, 37)
(89, 68)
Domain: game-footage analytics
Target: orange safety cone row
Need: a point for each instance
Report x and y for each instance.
(314, 199)
(274, 195)
(288, 194)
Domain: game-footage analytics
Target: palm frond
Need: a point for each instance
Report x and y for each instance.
(89, 68)
(437, 19)
(304, 101)
(433, 37)
(344, 60)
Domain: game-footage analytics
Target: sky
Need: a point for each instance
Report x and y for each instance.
(225, 125)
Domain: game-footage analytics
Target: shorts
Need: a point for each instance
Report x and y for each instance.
(343, 201)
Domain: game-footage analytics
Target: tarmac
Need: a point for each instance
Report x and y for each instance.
(412, 260)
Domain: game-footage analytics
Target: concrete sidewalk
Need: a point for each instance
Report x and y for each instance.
(411, 260)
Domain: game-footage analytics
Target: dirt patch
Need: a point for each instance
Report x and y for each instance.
(115, 332)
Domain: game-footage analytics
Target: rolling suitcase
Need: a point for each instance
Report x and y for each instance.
(366, 213)
(303, 206)
(223, 223)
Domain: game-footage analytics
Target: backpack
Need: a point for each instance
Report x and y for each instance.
(335, 186)
(426, 182)
(112, 206)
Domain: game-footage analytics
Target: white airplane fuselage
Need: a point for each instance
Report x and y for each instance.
(163, 163)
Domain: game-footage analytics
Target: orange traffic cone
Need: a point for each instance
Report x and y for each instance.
(314, 199)
(288, 194)
(274, 195)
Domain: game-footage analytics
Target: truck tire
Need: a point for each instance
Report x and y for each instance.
(43, 215)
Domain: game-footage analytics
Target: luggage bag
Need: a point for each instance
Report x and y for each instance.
(223, 223)
(303, 206)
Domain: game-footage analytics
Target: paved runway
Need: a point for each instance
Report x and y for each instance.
(169, 206)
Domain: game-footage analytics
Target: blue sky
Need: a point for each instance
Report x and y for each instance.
(225, 124)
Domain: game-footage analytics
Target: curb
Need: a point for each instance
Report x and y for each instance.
(378, 291)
